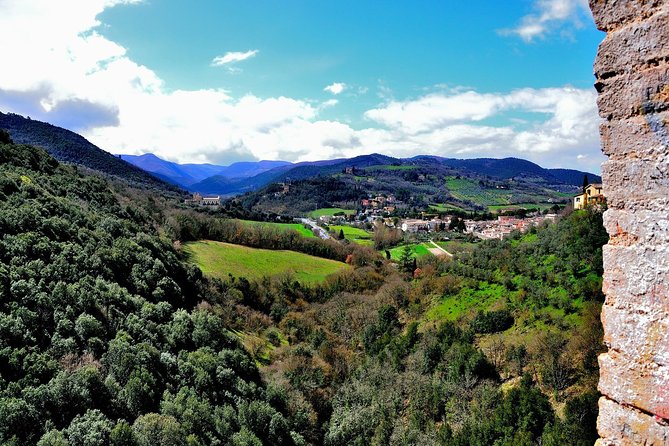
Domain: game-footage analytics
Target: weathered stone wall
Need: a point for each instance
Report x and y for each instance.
(632, 71)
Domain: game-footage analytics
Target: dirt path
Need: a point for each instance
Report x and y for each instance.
(438, 250)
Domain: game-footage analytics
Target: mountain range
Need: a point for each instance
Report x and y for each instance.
(189, 174)
(241, 177)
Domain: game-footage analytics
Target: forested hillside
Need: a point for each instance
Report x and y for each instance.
(105, 336)
(69, 147)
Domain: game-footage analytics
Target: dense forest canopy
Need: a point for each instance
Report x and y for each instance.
(102, 339)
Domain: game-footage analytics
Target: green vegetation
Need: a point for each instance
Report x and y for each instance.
(331, 212)
(467, 301)
(445, 207)
(300, 228)
(217, 259)
(356, 235)
(457, 246)
(392, 167)
(109, 335)
(417, 249)
(509, 207)
(471, 190)
(106, 337)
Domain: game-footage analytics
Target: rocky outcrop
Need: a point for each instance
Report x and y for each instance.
(632, 71)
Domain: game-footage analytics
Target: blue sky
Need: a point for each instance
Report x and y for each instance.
(222, 81)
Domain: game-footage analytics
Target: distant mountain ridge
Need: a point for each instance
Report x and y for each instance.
(242, 177)
(507, 168)
(69, 147)
(248, 176)
(189, 174)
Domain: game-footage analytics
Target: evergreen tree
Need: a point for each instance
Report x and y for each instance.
(407, 259)
(585, 182)
(453, 224)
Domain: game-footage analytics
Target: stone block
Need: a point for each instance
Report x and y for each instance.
(642, 227)
(644, 92)
(637, 183)
(624, 426)
(637, 277)
(639, 45)
(639, 136)
(612, 14)
(643, 385)
(640, 334)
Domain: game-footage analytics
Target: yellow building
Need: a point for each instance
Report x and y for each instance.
(592, 195)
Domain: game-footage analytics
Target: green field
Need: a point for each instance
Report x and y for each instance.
(330, 212)
(304, 232)
(457, 246)
(356, 235)
(217, 259)
(417, 249)
(464, 189)
(467, 300)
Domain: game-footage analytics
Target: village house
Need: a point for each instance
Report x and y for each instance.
(591, 195)
(414, 225)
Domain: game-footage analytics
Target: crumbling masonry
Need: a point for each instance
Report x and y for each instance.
(632, 72)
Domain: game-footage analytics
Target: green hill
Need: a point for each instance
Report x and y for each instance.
(69, 147)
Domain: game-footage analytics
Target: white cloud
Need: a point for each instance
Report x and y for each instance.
(550, 15)
(233, 56)
(335, 88)
(77, 78)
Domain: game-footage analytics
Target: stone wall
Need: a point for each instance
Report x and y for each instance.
(632, 72)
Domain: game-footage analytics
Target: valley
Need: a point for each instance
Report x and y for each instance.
(222, 321)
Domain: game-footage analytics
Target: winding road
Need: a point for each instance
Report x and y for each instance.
(322, 233)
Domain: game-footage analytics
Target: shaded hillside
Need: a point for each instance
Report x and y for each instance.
(69, 147)
(231, 186)
(507, 168)
(574, 177)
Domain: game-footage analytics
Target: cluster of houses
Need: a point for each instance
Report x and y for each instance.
(379, 203)
(199, 200)
(487, 229)
(505, 225)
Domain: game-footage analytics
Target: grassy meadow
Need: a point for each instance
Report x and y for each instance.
(330, 212)
(417, 249)
(304, 232)
(218, 259)
(356, 235)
